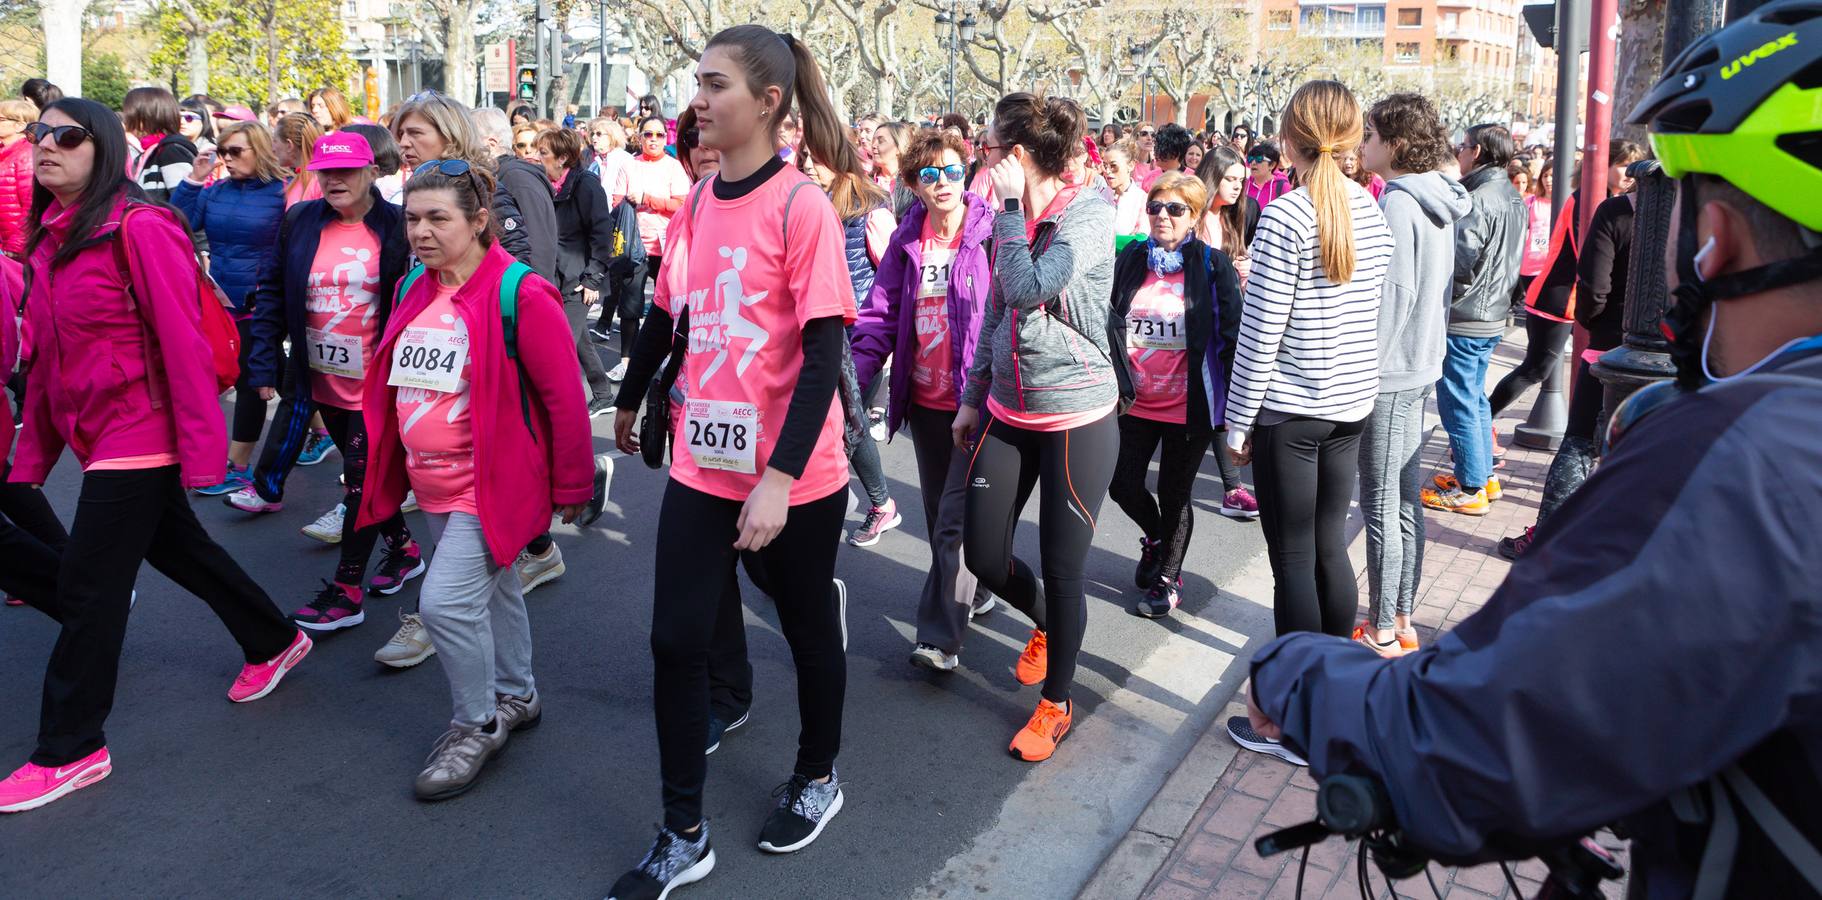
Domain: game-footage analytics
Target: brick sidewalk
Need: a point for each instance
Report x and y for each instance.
(1257, 794)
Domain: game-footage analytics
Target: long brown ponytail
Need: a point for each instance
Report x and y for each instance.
(1322, 122)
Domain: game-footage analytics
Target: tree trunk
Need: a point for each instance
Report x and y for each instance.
(63, 43)
(459, 51)
(885, 99)
(199, 62)
(272, 60)
(1640, 59)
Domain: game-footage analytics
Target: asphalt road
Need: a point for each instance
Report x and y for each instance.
(307, 793)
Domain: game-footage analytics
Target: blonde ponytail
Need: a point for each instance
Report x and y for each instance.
(1322, 122)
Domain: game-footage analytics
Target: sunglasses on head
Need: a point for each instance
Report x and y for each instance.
(928, 174)
(1158, 206)
(454, 168)
(69, 137)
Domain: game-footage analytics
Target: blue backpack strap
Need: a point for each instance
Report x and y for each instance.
(405, 283)
(509, 332)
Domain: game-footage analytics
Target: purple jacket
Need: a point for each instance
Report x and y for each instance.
(887, 324)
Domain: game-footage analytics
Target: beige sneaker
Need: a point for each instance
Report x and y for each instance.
(457, 759)
(535, 570)
(519, 713)
(410, 646)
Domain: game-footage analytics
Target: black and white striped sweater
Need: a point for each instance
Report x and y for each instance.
(1309, 346)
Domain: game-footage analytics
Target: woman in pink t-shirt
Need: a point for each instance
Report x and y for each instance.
(329, 291)
(655, 184)
(1181, 301)
(482, 415)
(758, 463)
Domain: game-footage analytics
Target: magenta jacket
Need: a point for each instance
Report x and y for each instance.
(118, 372)
(521, 473)
(11, 283)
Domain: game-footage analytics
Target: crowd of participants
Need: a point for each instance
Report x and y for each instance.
(1035, 307)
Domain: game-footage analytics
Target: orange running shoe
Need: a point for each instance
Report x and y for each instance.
(1455, 501)
(1408, 640)
(1040, 736)
(1446, 482)
(1035, 661)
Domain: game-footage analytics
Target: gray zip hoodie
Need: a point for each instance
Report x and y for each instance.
(1032, 360)
(1421, 209)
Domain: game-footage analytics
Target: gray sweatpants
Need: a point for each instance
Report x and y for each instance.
(1391, 474)
(950, 590)
(475, 615)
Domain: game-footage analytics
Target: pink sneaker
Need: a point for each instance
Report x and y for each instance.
(32, 786)
(248, 500)
(1240, 504)
(14, 601)
(257, 681)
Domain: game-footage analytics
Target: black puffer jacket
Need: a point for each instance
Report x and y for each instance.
(585, 233)
(1488, 249)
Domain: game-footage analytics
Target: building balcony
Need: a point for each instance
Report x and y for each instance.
(1347, 30)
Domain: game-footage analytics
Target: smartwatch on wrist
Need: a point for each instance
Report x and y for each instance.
(1011, 204)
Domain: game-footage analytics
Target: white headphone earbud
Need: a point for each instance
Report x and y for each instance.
(1701, 256)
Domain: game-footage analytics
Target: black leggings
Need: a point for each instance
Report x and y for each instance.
(1543, 348)
(699, 638)
(349, 431)
(124, 518)
(1073, 467)
(249, 408)
(31, 540)
(1305, 470)
(1167, 519)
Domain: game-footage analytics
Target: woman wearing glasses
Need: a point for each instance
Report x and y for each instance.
(491, 440)
(240, 215)
(1268, 182)
(1181, 301)
(1045, 376)
(196, 122)
(121, 375)
(932, 284)
(655, 184)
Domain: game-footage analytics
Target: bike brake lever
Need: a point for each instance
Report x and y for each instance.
(1291, 838)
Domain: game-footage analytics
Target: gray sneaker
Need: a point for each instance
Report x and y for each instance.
(931, 657)
(409, 646)
(535, 570)
(804, 807)
(519, 713)
(456, 760)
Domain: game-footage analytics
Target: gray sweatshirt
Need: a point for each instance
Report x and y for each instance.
(1031, 360)
(1421, 210)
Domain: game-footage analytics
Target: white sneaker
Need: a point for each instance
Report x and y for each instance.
(409, 646)
(929, 657)
(535, 570)
(411, 502)
(618, 372)
(328, 526)
(985, 607)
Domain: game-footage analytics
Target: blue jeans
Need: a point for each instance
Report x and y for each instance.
(1461, 398)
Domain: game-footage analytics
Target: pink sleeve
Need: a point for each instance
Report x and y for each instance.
(556, 376)
(816, 262)
(668, 281)
(679, 179)
(165, 281)
(880, 226)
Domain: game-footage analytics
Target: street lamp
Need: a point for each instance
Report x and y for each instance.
(1141, 60)
(960, 26)
(1260, 74)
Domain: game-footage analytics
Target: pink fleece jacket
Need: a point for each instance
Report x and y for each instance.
(115, 372)
(520, 474)
(11, 283)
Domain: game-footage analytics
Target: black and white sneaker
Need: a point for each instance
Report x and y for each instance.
(604, 475)
(984, 607)
(1241, 730)
(717, 728)
(674, 861)
(1159, 601)
(603, 329)
(804, 807)
(600, 406)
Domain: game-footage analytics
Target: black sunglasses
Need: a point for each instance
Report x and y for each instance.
(1176, 209)
(1146, 132)
(454, 168)
(233, 152)
(69, 137)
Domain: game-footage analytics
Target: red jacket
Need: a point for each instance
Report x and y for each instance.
(15, 195)
(118, 373)
(520, 474)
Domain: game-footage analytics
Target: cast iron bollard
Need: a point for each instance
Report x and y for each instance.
(1644, 357)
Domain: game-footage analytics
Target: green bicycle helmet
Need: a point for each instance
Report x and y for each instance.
(1745, 104)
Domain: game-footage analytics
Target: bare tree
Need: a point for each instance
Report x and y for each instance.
(1007, 43)
(1192, 54)
(1101, 43)
(63, 42)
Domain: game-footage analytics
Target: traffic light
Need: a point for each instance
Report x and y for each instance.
(528, 82)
